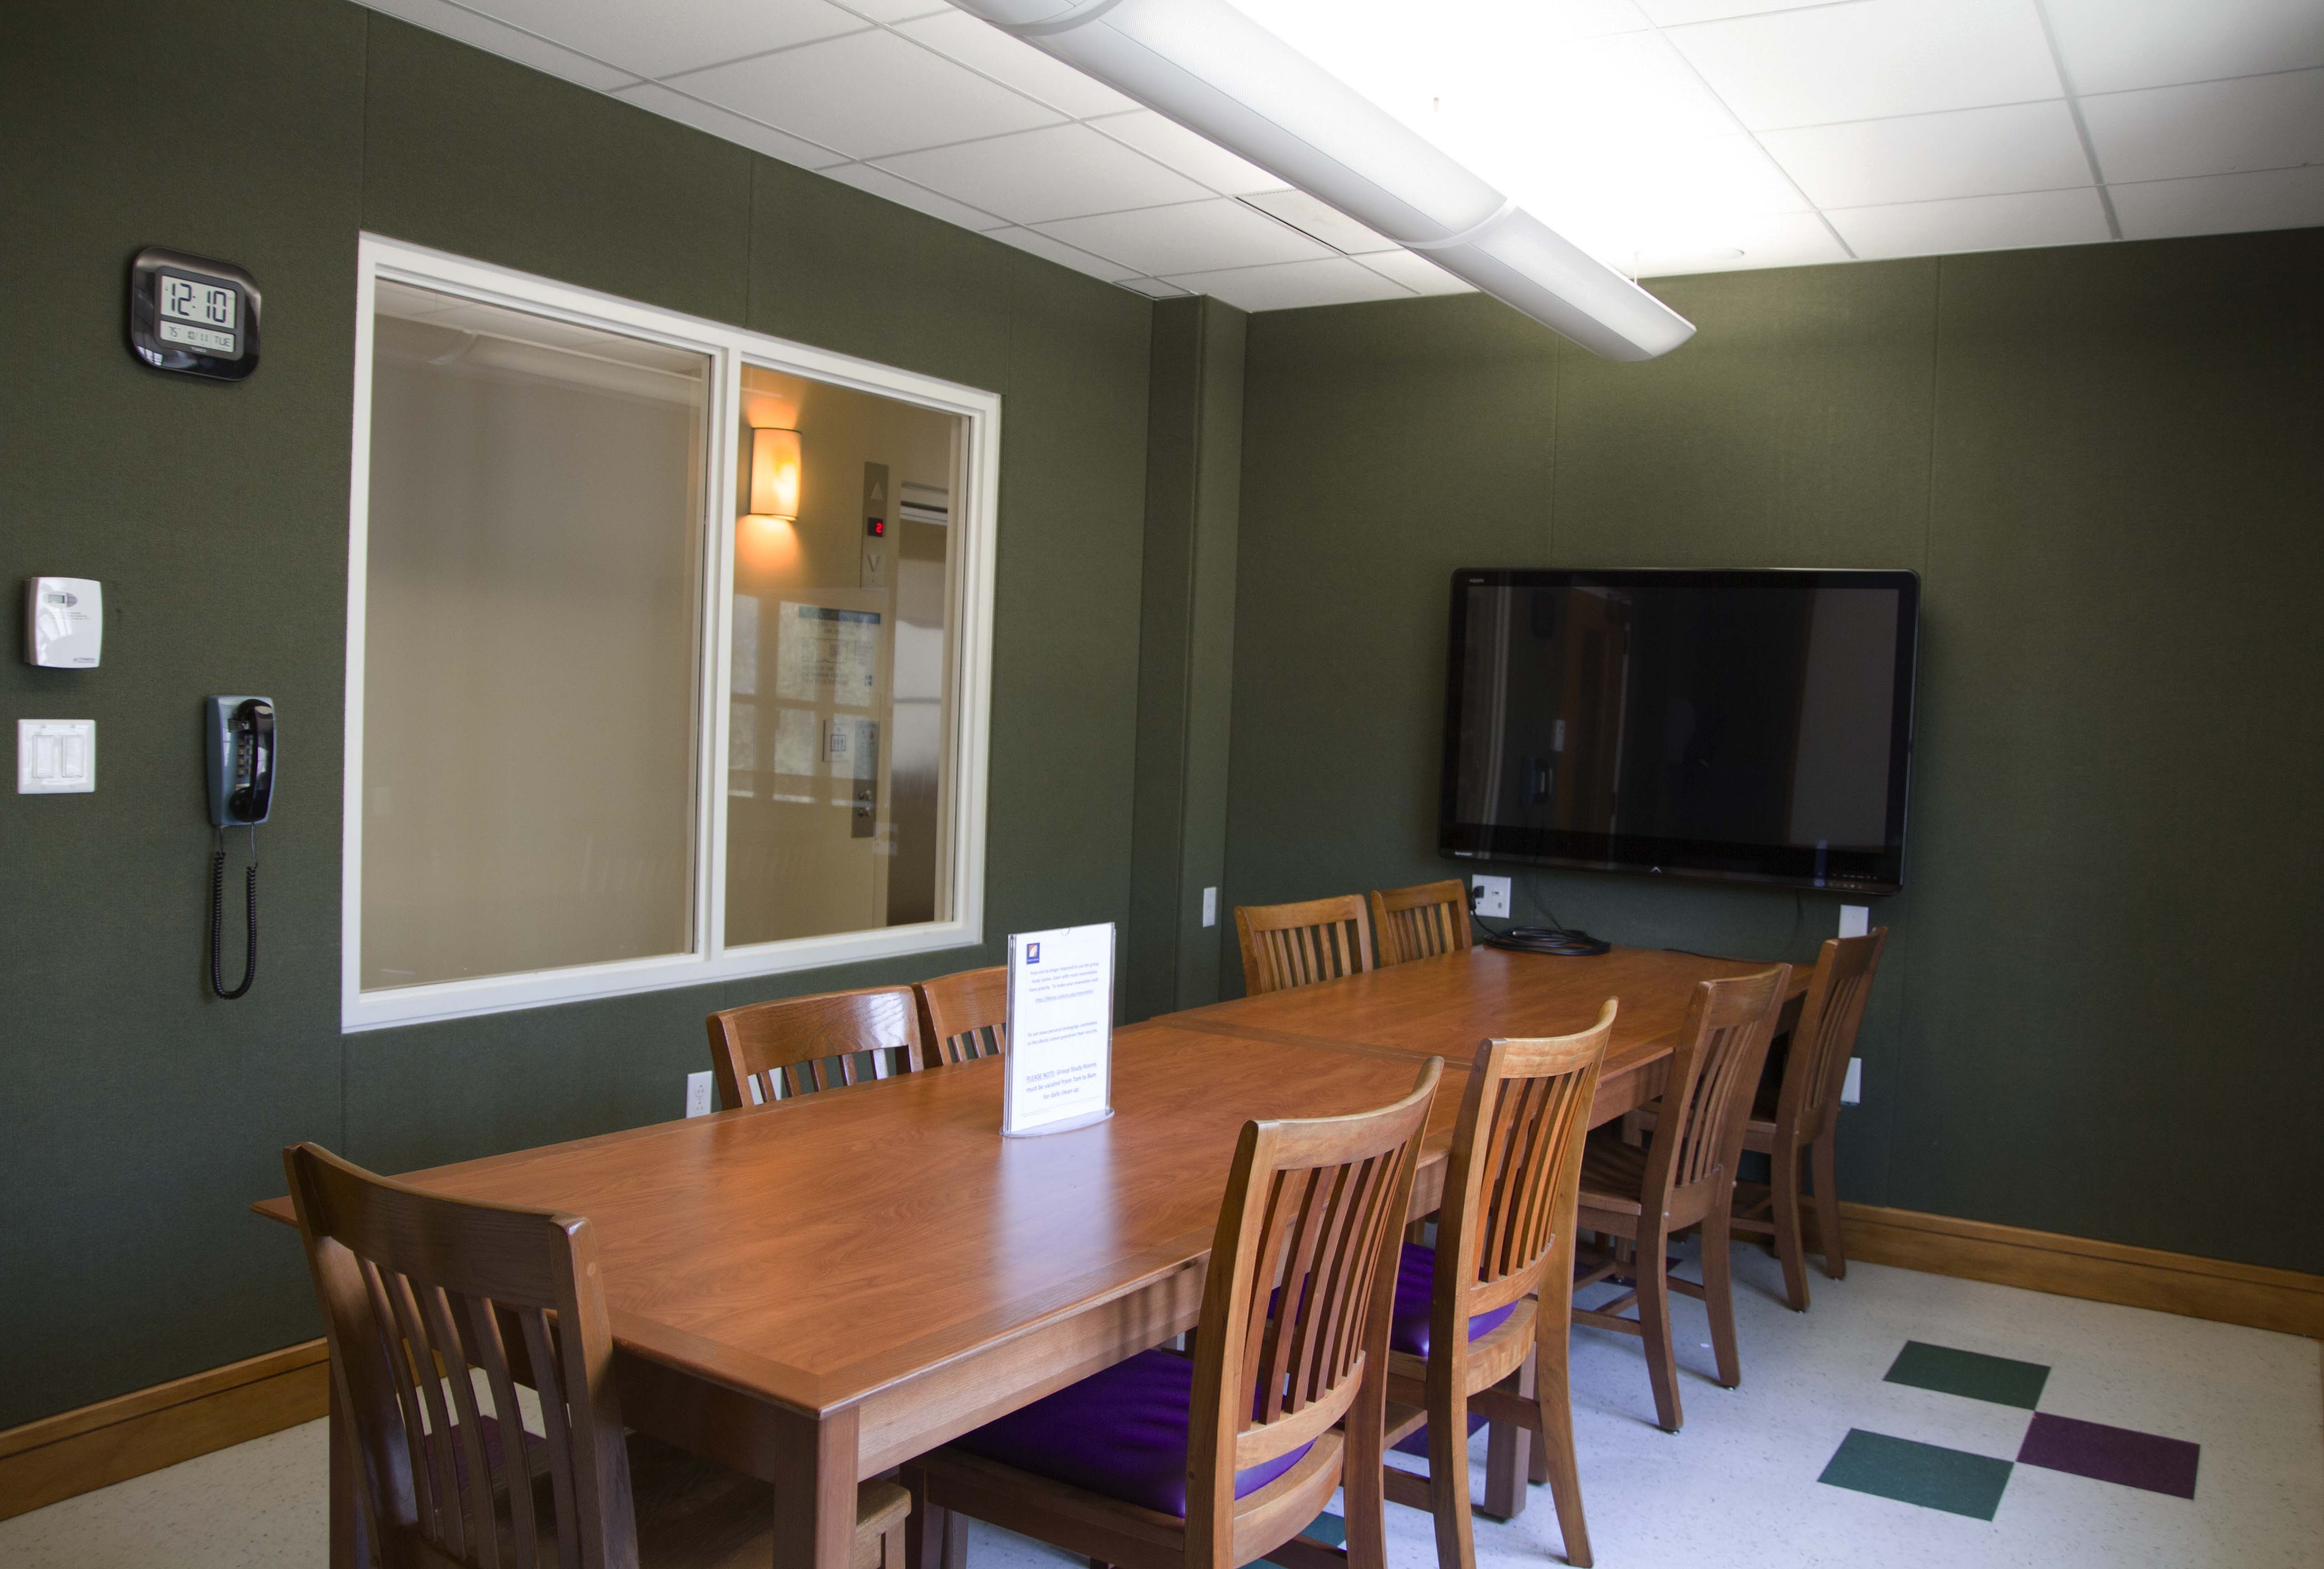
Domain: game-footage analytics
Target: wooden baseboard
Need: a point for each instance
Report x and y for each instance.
(75, 1452)
(2248, 1294)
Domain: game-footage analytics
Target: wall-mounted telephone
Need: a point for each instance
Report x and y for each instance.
(241, 764)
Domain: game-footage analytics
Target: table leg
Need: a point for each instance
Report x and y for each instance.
(350, 1549)
(815, 1491)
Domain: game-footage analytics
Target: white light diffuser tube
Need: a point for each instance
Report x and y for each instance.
(1215, 71)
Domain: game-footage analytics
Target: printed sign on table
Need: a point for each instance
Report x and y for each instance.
(1060, 1056)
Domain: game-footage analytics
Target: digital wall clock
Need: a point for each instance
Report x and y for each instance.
(192, 315)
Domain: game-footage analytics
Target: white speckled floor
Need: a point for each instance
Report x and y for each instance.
(1737, 1488)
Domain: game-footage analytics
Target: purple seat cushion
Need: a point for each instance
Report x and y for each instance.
(1415, 1283)
(1122, 1432)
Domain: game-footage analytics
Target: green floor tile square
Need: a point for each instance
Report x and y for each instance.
(1326, 1527)
(1971, 1375)
(1926, 1474)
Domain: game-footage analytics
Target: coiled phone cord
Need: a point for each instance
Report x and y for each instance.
(217, 916)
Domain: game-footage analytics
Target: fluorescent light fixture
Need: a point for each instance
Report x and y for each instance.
(1222, 75)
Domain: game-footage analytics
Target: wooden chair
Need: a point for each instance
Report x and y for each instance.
(1465, 1316)
(1685, 1178)
(1420, 923)
(1285, 1397)
(421, 1292)
(1295, 944)
(1806, 1119)
(768, 1051)
(966, 1016)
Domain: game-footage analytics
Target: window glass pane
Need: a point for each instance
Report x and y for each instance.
(840, 722)
(531, 644)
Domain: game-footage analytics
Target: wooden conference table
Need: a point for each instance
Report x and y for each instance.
(815, 1291)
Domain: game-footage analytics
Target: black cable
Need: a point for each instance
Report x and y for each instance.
(1557, 937)
(217, 918)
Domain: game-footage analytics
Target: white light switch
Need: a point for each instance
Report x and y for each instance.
(1851, 1092)
(1855, 920)
(56, 757)
(1209, 907)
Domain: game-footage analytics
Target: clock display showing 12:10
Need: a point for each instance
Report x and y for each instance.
(189, 299)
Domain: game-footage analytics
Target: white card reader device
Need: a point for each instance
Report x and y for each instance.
(64, 621)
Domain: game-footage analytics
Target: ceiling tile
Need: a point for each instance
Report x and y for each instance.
(1335, 32)
(1154, 288)
(903, 192)
(868, 94)
(2216, 204)
(1934, 157)
(1797, 239)
(1048, 249)
(1872, 59)
(2112, 45)
(1319, 221)
(1416, 272)
(733, 127)
(983, 47)
(508, 42)
(1641, 187)
(1059, 171)
(1189, 153)
(1192, 237)
(1680, 13)
(892, 11)
(659, 41)
(1975, 222)
(2209, 128)
(1334, 281)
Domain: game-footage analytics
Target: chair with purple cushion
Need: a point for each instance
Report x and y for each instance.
(413, 1285)
(1481, 1321)
(1163, 1462)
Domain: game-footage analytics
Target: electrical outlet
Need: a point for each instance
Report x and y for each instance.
(1492, 899)
(1855, 920)
(1209, 907)
(697, 1094)
(1851, 1094)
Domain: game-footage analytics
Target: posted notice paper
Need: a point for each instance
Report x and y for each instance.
(1060, 1031)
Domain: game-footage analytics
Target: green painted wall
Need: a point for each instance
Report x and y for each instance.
(137, 1116)
(2104, 463)
(1194, 478)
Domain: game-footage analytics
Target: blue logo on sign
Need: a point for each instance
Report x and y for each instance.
(1032, 952)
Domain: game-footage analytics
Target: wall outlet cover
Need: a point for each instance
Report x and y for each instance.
(1492, 896)
(1851, 1094)
(697, 1094)
(1855, 920)
(1209, 907)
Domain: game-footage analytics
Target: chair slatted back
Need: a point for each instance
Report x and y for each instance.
(417, 1289)
(1713, 1074)
(1825, 1037)
(1515, 1172)
(965, 1016)
(1297, 1304)
(1296, 945)
(1421, 922)
(795, 1045)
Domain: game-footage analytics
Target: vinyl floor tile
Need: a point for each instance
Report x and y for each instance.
(1913, 1472)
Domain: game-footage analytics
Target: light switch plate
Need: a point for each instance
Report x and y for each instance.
(697, 1094)
(1209, 907)
(1492, 896)
(1855, 920)
(1851, 1094)
(56, 757)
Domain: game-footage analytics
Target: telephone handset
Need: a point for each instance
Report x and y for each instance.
(242, 762)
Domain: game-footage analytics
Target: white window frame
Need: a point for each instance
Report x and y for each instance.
(973, 530)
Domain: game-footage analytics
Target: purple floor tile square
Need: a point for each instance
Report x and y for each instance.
(2115, 1454)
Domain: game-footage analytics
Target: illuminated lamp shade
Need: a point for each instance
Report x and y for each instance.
(775, 475)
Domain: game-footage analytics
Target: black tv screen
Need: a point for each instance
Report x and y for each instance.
(1734, 724)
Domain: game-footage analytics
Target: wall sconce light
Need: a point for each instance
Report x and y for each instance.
(775, 475)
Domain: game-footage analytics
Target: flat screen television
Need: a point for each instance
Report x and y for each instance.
(1755, 725)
